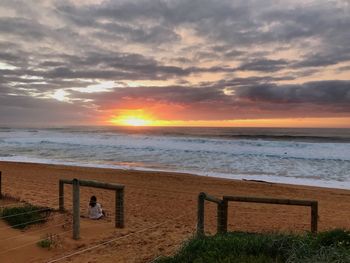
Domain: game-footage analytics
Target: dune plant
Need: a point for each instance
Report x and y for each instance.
(49, 241)
(237, 247)
(22, 216)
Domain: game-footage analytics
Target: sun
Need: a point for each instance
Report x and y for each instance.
(135, 121)
(132, 118)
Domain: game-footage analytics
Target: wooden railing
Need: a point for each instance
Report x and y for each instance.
(202, 197)
(119, 201)
(222, 209)
(0, 185)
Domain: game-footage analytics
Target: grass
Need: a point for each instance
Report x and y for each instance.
(45, 243)
(237, 247)
(50, 241)
(22, 216)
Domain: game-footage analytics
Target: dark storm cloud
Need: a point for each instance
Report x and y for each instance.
(27, 29)
(334, 96)
(50, 45)
(335, 93)
(265, 65)
(150, 35)
(169, 94)
(17, 110)
(8, 56)
(56, 70)
(117, 14)
(237, 22)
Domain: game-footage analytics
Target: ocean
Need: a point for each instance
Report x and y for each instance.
(319, 157)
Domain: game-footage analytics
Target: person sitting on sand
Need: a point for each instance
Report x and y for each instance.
(95, 209)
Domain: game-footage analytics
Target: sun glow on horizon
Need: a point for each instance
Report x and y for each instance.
(132, 118)
(137, 118)
(135, 121)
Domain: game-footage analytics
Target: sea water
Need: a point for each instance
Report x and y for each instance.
(318, 157)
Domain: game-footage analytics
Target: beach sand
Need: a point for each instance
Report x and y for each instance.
(160, 212)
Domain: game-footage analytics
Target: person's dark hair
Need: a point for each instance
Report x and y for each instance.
(93, 201)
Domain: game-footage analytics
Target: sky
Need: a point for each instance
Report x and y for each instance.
(272, 63)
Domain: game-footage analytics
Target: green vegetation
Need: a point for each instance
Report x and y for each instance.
(50, 241)
(45, 243)
(23, 216)
(237, 247)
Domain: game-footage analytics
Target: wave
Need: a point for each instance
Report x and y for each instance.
(303, 138)
(6, 155)
(309, 134)
(284, 158)
(266, 178)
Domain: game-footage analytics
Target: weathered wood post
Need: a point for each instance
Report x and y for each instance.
(314, 216)
(119, 208)
(119, 200)
(222, 217)
(76, 209)
(219, 218)
(0, 186)
(61, 196)
(200, 215)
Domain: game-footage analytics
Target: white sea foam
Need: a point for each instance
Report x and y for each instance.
(286, 161)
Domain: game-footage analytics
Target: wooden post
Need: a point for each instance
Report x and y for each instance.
(219, 218)
(76, 209)
(119, 208)
(222, 217)
(0, 186)
(225, 216)
(314, 217)
(61, 196)
(311, 203)
(200, 215)
(119, 201)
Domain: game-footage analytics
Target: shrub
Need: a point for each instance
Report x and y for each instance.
(45, 243)
(23, 216)
(238, 247)
(50, 241)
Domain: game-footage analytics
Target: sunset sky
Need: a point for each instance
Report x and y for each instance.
(183, 62)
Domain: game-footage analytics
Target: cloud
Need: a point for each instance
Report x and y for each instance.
(25, 28)
(28, 111)
(265, 65)
(220, 58)
(326, 93)
(311, 99)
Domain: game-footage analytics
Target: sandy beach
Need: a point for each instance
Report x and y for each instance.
(160, 212)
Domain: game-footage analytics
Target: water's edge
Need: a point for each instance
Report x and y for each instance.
(261, 178)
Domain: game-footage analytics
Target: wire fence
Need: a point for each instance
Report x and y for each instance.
(86, 249)
(161, 191)
(113, 240)
(23, 202)
(32, 232)
(66, 231)
(36, 241)
(29, 212)
(143, 187)
(30, 222)
(29, 243)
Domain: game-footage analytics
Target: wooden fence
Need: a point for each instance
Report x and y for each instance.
(222, 209)
(0, 185)
(119, 201)
(202, 197)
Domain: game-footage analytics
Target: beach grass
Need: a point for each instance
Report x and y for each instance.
(20, 217)
(239, 247)
(50, 241)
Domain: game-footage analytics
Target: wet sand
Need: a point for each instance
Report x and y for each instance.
(160, 212)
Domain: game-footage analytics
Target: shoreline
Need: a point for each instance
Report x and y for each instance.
(266, 178)
(162, 205)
